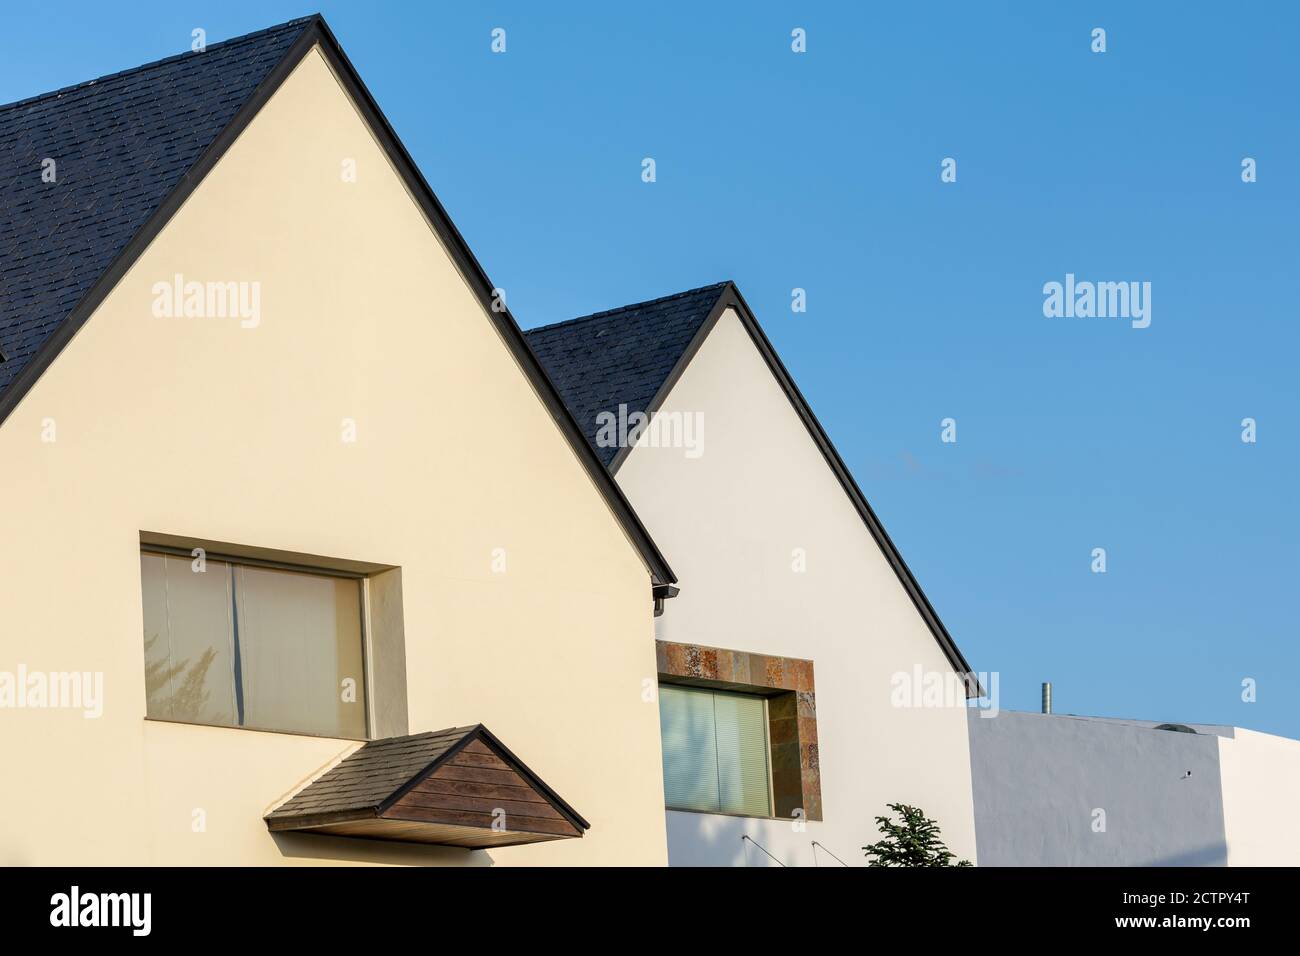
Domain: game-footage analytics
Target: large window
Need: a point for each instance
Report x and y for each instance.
(249, 645)
(715, 751)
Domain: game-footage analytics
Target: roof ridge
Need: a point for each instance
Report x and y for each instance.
(221, 44)
(631, 305)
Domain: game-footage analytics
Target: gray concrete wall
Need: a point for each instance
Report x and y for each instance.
(1040, 780)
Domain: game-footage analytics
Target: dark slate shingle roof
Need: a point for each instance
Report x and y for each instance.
(622, 356)
(370, 775)
(121, 143)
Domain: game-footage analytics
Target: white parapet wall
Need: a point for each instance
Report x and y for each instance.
(1065, 790)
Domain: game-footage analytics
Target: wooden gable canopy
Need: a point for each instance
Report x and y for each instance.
(456, 787)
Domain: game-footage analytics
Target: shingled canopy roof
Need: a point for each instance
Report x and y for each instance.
(455, 787)
(129, 149)
(634, 356)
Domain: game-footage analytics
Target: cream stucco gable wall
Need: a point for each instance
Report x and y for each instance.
(732, 518)
(199, 427)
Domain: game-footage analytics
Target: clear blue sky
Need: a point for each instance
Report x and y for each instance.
(925, 299)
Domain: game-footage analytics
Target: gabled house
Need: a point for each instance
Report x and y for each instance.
(805, 680)
(285, 496)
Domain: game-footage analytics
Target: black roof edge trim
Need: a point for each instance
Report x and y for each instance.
(318, 32)
(732, 298)
(482, 286)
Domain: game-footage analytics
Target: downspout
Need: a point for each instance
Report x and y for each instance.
(662, 592)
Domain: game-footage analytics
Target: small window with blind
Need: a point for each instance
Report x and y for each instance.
(251, 644)
(715, 751)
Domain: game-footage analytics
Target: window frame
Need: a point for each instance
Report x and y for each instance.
(235, 559)
(789, 686)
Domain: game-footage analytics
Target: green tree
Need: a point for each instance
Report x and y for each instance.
(914, 842)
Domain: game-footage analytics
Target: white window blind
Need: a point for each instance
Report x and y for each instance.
(188, 651)
(300, 638)
(715, 751)
(244, 646)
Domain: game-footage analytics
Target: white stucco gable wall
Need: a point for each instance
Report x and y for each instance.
(732, 518)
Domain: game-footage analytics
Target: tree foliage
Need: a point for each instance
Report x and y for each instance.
(913, 842)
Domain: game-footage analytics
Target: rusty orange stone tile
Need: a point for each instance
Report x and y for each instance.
(784, 731)
(812, 804)
(708, 663)
(676, 659)
(808, 757)
(808, 729)
(786, 760)
(740, 668)
(782, 706)
(758, 670)
(807, 705)
(774, 673)
(801, 673)
(726, 664)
